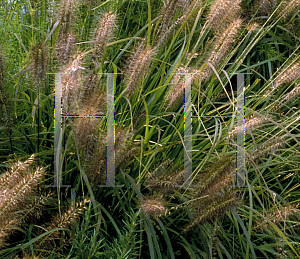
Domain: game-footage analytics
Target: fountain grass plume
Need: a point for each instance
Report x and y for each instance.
(71, 83)
(164, 178)
(65, 39)
(212, 207)
(222, 46)
(265, 6)
(219, 15)
(137, 67)
(153, 206)
(65, 220)
(104, 33)
(16, 203)
(40, 62)
(215, 195)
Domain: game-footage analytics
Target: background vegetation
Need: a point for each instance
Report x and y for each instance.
(149, 42)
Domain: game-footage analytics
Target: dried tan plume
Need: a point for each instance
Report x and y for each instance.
(40, 62)
(278, 215)
(104, 33)
(222, 47)
(288, 8)
(65, 220)
(292, 95)
(265, 6)
(251, 123)
(153, 206)
(175, 93)
(65, 39)
(288, 75)
(222, 13)
(137, 67)
(71, 84)
(17, 187)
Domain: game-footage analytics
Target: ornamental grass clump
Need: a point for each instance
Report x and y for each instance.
(152, 48)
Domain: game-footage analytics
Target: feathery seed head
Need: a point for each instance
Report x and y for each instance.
(270, 146)
(89, 88)
(227, 38)
(68, 217)
(222, 46)
(266, 6)
(292, 95)
(34, 209)
(63, 221)
(289, 8)
(212, 207)
(167, 15)
(104, 33)
(70, 84)
(15, 173)
(6, 229)
(16, 188)
(251, 123)
(153, 206)
(175, 94)
(16, 197)
(125, 153)
(219, 14)
(65, 15)
(39, 57)
(87, 128)
(278, 215)
(160, 169)
(164, 178)
(254, 122)
(65, 39)
(288, 75)
(252, 27)
(64, 48)
(216, 178)
(137, 67)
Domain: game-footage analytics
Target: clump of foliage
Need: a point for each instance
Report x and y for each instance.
(154, 48)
